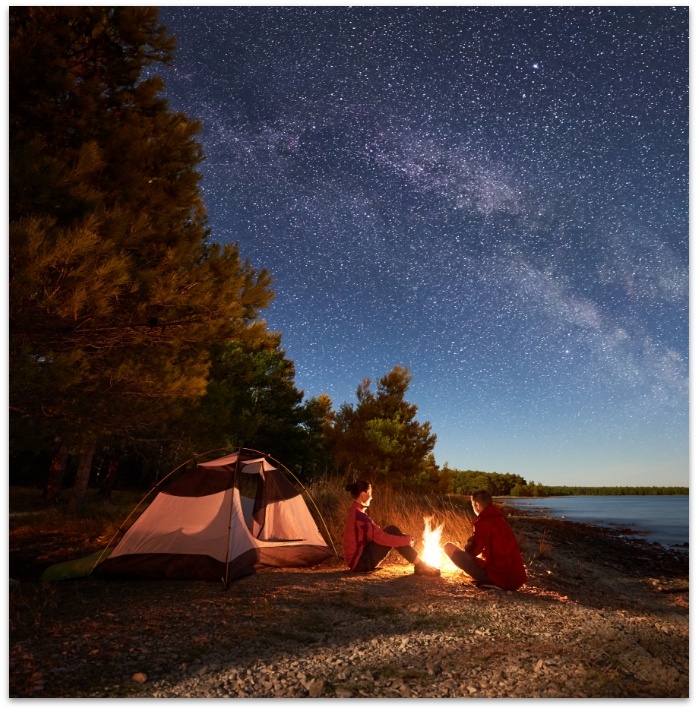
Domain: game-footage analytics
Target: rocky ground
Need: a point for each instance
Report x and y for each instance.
(601, 616)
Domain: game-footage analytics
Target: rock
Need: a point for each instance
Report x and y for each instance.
(315, 687)
(434, 668)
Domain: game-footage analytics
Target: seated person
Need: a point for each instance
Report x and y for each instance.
(492, 556)
(366, 545)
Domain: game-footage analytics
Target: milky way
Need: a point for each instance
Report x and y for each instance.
(495, 197)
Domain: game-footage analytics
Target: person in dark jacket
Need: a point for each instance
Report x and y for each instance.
(366, 545)
(492, 556)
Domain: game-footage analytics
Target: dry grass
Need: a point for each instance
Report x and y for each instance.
(96, 518)
(97, 522)
(544, 551)
(392, 506)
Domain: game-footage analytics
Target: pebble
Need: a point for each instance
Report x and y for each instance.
(315, 688)
(323, 670)
(444, 642)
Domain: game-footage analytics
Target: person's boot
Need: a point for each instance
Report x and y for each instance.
(487, 585)
(422, 568)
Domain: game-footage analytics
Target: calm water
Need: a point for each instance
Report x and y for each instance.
(662, 519)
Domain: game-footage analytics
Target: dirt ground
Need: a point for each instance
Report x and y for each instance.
(601, 616)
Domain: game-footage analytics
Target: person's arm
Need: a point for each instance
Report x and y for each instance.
(378, 535)
(479, 541)
(470, 544)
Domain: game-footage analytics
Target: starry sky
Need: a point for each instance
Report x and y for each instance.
(495, 197)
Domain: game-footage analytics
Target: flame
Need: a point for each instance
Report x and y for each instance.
(432, 553)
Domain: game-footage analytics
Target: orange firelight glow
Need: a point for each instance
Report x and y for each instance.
(432, 544)
(432, 552)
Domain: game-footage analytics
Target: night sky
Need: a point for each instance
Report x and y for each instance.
(496, 198)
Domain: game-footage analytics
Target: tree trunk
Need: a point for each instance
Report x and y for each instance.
(110, 480)
(56, 471)
(82, 477)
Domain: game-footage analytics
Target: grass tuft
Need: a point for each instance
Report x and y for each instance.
(544, 550)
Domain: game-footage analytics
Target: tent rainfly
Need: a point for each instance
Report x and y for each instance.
(204, 526)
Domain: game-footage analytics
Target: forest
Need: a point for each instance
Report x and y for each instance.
(136, 341)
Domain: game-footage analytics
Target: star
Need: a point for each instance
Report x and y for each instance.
(519, 242)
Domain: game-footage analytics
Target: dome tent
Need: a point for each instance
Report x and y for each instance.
(222, 520)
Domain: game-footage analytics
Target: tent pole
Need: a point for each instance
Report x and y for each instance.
(230, 520)
(305, 490)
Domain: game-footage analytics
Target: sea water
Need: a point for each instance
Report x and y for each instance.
(662, 519)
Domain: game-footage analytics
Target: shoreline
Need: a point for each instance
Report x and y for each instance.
(631, 531)
(600, 616)
(606, 542)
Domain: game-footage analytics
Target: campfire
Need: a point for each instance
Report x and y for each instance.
(432, 553)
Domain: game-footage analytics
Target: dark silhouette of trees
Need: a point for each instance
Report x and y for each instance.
(316, 422)
(613, 491)
(116, 292)
(499, 484)
(251, 400)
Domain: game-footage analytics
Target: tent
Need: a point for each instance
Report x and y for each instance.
(221, 520)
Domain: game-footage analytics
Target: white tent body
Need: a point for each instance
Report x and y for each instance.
(202, 527)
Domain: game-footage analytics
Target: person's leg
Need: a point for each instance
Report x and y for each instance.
(374, 553)
(407, 551)
(467, 563)
(410, 554)
(371, 557)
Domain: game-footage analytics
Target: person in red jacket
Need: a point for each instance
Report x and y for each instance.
(366, 545)
(492, 556)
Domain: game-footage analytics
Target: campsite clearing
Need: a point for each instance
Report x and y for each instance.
(601, 616)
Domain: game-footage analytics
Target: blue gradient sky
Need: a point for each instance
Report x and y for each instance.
(496, 198)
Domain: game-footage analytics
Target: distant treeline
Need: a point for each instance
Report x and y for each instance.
(498, 484)
(510, 484)
(614, 491)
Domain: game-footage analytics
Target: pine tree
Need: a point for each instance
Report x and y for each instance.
(317, 421)
(251, 400)
(116, 292)
(380, 438)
